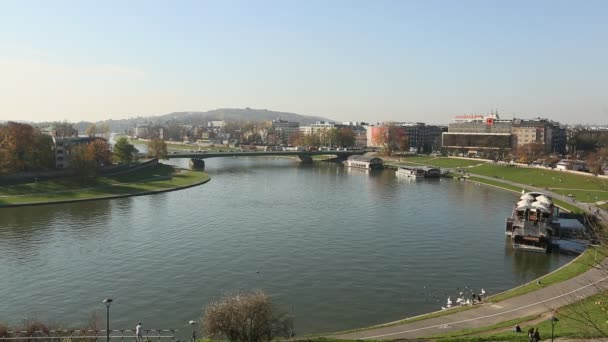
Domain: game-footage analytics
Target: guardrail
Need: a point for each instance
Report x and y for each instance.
(91, 334)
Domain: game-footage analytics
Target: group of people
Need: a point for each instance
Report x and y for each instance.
(533, 334)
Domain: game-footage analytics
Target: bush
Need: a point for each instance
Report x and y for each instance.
(245, 317)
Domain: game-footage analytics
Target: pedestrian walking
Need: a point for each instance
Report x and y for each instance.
(536, 335)
(139, 333)
(531, 334)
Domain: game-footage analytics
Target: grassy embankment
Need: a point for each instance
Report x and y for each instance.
(583, 188)
(441, 162)
(585, 319)
(578, 266)
(157, 178)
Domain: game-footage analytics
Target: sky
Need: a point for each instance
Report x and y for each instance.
(346, 60)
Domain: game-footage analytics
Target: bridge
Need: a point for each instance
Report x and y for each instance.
(197, 158)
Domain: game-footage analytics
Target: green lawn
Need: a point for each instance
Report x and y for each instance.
(541, 177)
(584, 262)
(564, 204)
(442, 162)
(466, 333)
(586, 319)
(155, 178)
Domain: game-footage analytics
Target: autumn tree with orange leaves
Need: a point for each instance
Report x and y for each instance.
(23, 148)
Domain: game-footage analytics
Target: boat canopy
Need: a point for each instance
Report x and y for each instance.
(540, 206)
(527, 197)
(544, 199)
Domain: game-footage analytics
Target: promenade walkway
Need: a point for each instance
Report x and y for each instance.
(533, 303)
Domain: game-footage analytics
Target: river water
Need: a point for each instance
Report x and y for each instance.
(337, 248)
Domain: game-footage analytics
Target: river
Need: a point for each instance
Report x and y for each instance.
(335, 247)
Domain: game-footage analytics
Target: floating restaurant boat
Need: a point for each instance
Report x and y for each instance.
(411, 172)
(531, 224)
(364, 162)
(418, 172)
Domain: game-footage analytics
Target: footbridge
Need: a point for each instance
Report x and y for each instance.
(197, 158)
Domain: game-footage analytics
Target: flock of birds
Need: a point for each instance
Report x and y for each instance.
(461, 298)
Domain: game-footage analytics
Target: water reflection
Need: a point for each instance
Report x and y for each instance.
(332, 243)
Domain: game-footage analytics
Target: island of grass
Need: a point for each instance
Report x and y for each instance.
(149, 180)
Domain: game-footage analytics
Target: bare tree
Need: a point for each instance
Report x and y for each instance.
(245, 317)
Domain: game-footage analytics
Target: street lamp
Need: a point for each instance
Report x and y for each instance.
(553, 321)
(193, 323)
(107, 302)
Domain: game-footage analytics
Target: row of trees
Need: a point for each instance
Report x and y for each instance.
(24, 148)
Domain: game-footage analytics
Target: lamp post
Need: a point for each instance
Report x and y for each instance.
(193, 323)
(107, 302)
(553, 321)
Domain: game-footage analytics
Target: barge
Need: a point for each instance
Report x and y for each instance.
(531, 225)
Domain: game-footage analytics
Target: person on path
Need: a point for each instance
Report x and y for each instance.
(536, 335)
(531, 334)
(139, 333)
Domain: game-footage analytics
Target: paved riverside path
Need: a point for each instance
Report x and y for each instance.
(533, 303)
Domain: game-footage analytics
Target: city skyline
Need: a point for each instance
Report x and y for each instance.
(347, 61)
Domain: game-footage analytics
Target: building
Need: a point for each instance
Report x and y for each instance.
(421, 137)
(478, 135)
(281, 132)
(540, 131)
(62, 146)
(317, 128)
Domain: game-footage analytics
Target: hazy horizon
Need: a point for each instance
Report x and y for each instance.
(345, 60)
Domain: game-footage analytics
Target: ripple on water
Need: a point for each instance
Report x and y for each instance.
(338, 248)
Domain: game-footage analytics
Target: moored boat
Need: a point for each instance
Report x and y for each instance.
(531, 223)
(411, 172)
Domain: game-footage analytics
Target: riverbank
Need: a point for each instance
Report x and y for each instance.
(150, 180)
(581, 266)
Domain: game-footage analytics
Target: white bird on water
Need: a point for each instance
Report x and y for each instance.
(483, 292)
(449, 302)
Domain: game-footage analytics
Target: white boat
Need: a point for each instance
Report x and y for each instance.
(531, 223)
(412, 172)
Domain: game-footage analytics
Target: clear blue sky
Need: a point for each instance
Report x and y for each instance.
(347, 60)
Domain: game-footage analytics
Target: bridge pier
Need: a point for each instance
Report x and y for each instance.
(196, 163)
(305, 158)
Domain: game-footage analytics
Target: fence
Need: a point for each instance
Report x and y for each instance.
(128, 335)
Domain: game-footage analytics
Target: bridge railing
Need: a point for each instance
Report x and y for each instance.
(121, 335)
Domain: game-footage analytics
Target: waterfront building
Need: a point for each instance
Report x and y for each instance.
(62, 147)
(478, 135)
(421, 137)
(541, 131)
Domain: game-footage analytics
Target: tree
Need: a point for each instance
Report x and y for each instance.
(404, 143)
(530, 152)
(23, 148)
(245, 317)
(597, 161)
(157, 148)
(99, 150)
(83, 163)
(64, 129)
(91, 130)
(124, 151)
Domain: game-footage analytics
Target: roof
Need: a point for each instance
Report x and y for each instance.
(366, 159)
